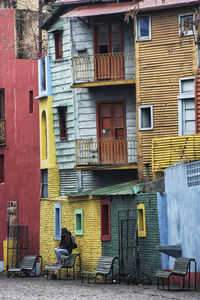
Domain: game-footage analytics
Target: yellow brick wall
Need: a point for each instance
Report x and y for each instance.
(53, 181)
(89, 245)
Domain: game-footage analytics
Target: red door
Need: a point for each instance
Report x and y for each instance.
(112, 133)
(109, 56)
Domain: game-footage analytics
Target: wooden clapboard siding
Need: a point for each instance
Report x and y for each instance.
(197, 102)
(160, 63)
(62, 95)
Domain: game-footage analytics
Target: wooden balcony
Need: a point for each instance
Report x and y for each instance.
(2, 132)
(171, 150)
(103, 69)
(106, 151)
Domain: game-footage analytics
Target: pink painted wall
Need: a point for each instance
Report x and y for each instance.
(21, 153)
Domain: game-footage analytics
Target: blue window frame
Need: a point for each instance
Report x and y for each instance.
(44, 77)
(143, 28)
(57, 221)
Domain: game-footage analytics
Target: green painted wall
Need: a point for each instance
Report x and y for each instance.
(150, 259)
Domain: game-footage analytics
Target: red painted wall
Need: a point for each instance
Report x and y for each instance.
(21, 153)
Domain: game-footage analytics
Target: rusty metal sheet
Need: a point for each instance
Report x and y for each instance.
(160, 4)
(114, 8)
(100, 9)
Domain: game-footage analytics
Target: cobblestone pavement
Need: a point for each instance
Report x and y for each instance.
(40, 288)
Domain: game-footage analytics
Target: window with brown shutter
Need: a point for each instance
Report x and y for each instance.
(62, 111)
(58, 44)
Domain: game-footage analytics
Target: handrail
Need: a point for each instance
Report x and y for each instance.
(107, 66)
(103, 151)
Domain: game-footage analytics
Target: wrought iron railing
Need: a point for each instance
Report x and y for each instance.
(2, 132)
(108, 66)
(168, 151)
(106, 151)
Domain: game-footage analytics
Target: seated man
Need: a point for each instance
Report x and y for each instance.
(65, 245)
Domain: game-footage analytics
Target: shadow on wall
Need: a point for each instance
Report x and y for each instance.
(178, 213)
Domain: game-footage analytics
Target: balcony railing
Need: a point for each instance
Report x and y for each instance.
(110, 66)
(106, 151)
(170, 150)
(2, 132)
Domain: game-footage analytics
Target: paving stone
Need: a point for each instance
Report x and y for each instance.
(40, 288)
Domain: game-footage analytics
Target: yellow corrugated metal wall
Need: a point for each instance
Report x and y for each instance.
(168, 151)
(160, 63)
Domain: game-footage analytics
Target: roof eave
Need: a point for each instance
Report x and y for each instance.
(52, 18)
(172, 6)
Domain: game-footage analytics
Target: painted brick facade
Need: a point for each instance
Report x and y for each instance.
(89, 244)
(53, 181)
(150, 258)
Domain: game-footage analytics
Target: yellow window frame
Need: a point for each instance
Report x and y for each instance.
(141, 220)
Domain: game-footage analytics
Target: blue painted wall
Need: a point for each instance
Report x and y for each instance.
(163, 226)
(182, 212)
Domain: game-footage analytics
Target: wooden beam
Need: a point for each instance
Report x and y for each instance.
(103, 83)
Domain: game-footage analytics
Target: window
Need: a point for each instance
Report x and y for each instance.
(58, 44)
(30, 102)
(62, 111)
(1, 168)
(186, 106)
(57, 221)
(143, 28)
(44, 183)
(186, 24)
(146, 117)
(108, 38)
(2, 104)
(78, 221)
(105, 220)
(141, 220)
(44, 77)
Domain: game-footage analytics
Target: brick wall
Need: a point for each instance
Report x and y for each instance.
(53, 181)
(150, 258)
(89, 245)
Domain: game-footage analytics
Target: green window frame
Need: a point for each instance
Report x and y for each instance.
(78, 214)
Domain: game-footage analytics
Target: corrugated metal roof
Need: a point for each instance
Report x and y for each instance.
(163, 4)
(100, 9)
(125, 188)
(113, 8)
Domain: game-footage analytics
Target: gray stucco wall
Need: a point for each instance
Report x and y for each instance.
(183, 210)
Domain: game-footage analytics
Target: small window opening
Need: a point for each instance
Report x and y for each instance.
(30, 102)
(58, 45)
(1, 168)
(62, 120)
